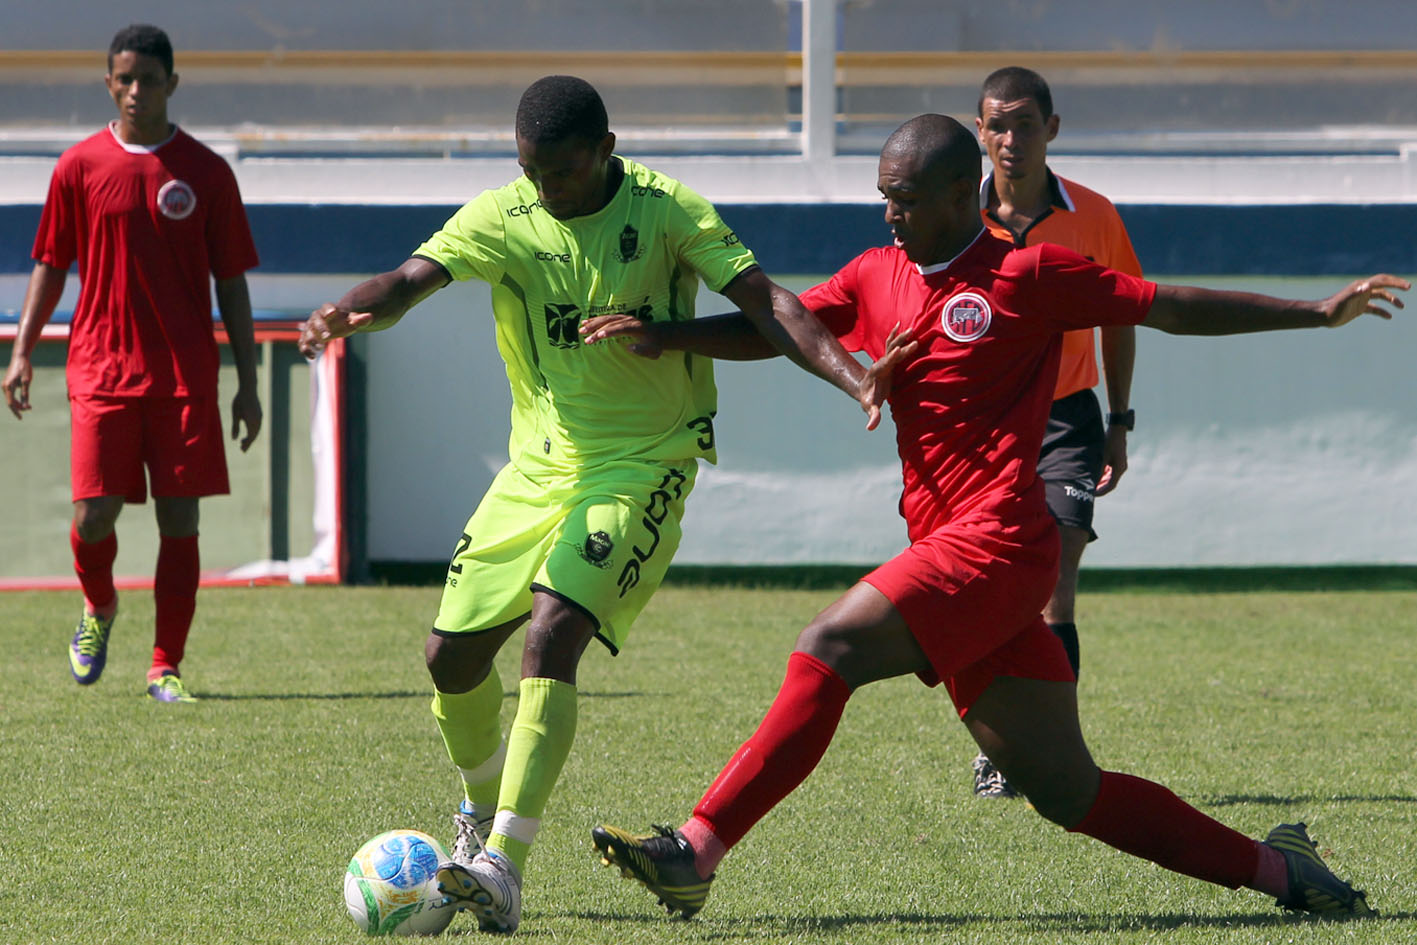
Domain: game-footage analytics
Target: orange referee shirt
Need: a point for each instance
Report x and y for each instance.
(1087, 223)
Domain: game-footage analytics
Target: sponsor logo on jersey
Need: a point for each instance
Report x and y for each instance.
(543, 256)
(176, 200)
(640, 190)
(563, 322)
(644, 311)
(966, 316)
(522, 210)
(630, 248)
(731, 240)
(597, 549)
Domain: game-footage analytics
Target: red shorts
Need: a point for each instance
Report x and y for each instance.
(972, 594)
(179, 439)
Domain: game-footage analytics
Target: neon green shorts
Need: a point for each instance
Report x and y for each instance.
(602, 542)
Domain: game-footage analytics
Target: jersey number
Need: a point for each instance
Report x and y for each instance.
(705, 427)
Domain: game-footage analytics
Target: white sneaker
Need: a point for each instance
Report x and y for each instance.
(490, 888)
(472, 835)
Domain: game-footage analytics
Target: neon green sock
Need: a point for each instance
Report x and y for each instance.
(537, 750)
(472, 732)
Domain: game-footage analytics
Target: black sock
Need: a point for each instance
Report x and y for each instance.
(1068, 633)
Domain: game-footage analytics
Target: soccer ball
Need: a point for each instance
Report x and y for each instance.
(391, 885)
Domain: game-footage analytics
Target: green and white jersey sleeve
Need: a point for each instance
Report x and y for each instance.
(575, 405)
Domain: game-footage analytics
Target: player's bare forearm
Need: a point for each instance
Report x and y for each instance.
(42, 293)
(389, 296)
(1119, 355)
(787, 324)
(233, 302)
(730, 337)
(372, 305)
(1186, 310)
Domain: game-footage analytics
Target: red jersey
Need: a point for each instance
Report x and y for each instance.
(1087, 223)
(150, 227)
(971, 405)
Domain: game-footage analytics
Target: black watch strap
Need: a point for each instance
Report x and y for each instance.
(1128, 419)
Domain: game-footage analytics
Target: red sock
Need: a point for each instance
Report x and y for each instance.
(93, 563)
(175, 600)
(777, 757)
(1145, 819)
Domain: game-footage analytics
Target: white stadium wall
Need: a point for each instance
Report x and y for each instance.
(1298, 448)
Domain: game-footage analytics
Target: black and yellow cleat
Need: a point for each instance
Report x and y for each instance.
(663, 862)
(1312, 885)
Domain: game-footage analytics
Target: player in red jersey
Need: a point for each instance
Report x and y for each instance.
(1025, 202)
(151, 216)
(975, 325)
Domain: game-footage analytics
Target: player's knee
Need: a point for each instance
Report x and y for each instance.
(553, 649)
(94, 521)
(455, 663)
(177, 517)
(825, 641)
(1059, 797)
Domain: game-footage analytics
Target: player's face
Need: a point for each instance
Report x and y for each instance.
(1016, 135)
(140, 87)
(932, 214)
(570, 175)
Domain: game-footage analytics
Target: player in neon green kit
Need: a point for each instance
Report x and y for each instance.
(576, 532)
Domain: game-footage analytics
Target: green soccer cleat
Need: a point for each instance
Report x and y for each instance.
(663, 862)
(168, 688)
(1312, 885)
(88, 651)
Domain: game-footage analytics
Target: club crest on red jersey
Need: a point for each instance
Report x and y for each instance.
(176, 200)
(966, 316)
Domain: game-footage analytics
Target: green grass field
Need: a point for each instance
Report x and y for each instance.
(231, 820)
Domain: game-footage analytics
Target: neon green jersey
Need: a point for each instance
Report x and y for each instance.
(644, 253)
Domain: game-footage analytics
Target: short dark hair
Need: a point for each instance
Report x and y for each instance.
(558, 107)
(1012, 83)
(143, 39)
(942, 146)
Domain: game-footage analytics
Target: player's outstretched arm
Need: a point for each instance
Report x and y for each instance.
(1185, 310)
(42, 294)
(728, 337)
(373, 305)
(790, 326)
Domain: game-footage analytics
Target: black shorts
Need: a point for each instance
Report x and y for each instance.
(1070, 463)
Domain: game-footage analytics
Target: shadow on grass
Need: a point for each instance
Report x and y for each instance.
(762, 926)
(1230, 800)
(313, 696)
(397, 694)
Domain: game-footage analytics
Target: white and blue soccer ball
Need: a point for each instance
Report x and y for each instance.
(391, 885)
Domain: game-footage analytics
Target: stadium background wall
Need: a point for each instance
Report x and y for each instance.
(1248, 143)
(1294, 449)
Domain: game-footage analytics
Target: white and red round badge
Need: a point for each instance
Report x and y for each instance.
(966, 316)
(176, 200)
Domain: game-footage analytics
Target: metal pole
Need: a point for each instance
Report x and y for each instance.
(818, 79)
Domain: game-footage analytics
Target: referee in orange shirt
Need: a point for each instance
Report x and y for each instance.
(1025, 202)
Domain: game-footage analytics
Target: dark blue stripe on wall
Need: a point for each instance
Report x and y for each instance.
(1315, 239)
(1323, 239)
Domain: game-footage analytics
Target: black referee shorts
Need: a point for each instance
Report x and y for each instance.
(1070, 463)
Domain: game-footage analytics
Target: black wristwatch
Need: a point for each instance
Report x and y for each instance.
(1128, 419)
